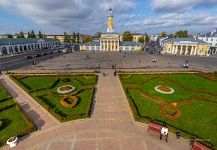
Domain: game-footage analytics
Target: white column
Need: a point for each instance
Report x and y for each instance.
(195, 50)
(181, 50)
(176, 49)
(186, 50)
(192, 50)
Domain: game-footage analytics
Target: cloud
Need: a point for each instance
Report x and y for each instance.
(181, 5)
(173, 22)
(68, 15)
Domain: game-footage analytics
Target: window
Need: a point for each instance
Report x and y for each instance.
(211, 39)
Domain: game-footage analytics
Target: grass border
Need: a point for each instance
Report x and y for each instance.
(147, 119)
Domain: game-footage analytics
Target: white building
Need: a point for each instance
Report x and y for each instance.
(210, 38)
(11, 46)
(111, 41)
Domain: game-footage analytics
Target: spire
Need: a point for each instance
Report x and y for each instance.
(110, 21)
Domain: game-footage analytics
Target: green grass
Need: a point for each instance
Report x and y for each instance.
(84, 90)
(198, 118)
(15, 122)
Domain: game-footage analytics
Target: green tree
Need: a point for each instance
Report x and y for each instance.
(21, 35)
(67, 37)
(163, 34)
(98, 35)
(9, 36)
(33, 34)
(29, 35)
(55, 38)
(171, 35)
(141, 39)
(44, 36)
(127, 36)
(146, 39)
(182, 33)
(87, 38)
(78, 37)
(40, 35)
(74, 36)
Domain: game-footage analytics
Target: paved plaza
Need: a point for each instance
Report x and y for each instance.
(126, 61)
(111, 125)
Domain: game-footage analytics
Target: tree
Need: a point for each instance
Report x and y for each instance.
(74, 36)
(21, 35)
(55, 38)
(98, 34)
(163, 34)
(33, 34)
(171, 35)
(141, 39)
(87, 38)
(146, 39)
(182, 33)
(28, 35)
(40, 35)
(78, 37)
(67, 37)
(127, 36)
(9, 36)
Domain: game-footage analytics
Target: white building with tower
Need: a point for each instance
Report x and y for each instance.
(110, 41)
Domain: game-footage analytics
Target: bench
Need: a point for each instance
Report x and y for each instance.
(199, 146)
(155, 127)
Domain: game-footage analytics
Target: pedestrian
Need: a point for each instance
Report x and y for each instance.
(139, 61)
(115, 73)
(164, 132)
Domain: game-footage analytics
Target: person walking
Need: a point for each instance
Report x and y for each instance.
(164, 132)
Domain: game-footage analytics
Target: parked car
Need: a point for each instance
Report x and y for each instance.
(28, 57)
(45, 54)
(38, 55)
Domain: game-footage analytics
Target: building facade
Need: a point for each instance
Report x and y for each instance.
(185, 46)
(210, 38)
(111, 41)
(12, 46)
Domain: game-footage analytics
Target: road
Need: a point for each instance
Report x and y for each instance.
(19, 61)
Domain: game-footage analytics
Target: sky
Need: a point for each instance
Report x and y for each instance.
(89, 16)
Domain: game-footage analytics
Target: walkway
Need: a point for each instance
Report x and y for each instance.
(111, 127)
(40, 116)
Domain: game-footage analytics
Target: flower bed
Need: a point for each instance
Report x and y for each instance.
(66, 103)
(65, 89)
(170, 112)
(164, 89)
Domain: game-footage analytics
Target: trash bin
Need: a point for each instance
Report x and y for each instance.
(178, 134)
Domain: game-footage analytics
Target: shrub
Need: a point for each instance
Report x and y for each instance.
(1, 124)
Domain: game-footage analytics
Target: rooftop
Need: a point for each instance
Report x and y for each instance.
(185, 40)
(13, 41)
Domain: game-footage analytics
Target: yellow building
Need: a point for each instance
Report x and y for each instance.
(135, 37)
(59, 37)
(185, 46)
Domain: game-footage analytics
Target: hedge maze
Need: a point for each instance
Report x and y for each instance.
(66, 97)
(191, 109)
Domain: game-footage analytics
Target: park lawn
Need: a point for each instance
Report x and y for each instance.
(198, 118)
(15, 122)
(3, 93)
(49, 98)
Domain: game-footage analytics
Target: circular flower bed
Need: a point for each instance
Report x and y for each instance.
(164, 89)
(170, 112)
(65, 89)
(69, 101)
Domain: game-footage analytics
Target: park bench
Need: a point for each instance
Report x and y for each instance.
(199, 146)
(155, 127)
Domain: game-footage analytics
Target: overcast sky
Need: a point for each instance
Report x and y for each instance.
(89, 16)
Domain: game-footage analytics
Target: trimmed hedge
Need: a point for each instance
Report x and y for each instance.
(147, 119)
